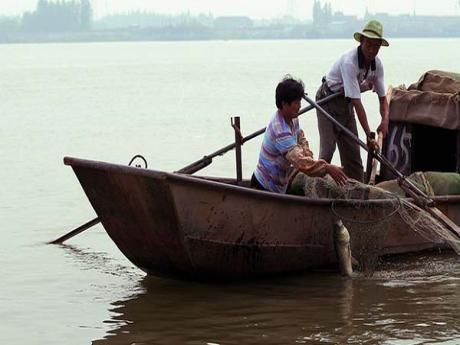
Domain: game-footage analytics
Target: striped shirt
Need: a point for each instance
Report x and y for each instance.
(273, 169)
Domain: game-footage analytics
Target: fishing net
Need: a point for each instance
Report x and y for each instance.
(426, 226)
(371, 214)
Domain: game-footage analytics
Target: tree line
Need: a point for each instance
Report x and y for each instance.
(75, 17)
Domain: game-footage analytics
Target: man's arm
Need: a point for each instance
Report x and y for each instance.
(385, 113)
(311, 167)
(362, 117)
(303, 143)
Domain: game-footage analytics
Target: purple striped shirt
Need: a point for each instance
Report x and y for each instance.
(273, 169)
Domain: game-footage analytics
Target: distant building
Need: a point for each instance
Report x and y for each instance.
(233, 22)
(340, 17)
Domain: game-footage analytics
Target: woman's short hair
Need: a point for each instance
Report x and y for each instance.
(289, 90)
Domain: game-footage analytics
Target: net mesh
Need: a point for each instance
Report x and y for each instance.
(368, 221)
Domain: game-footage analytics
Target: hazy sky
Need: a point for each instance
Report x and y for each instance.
(253, 8)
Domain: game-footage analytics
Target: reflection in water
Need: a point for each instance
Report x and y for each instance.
(412, 302)
(100, 261)
(119, 281)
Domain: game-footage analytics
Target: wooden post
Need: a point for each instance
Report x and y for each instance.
(370, 157)
(238, 142)
(375, 162)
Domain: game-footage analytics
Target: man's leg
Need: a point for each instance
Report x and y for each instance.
(349, 152)
(327, 141)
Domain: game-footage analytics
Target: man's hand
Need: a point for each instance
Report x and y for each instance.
(372, 145)
(385, 113)
(337, 174)
(383, 127)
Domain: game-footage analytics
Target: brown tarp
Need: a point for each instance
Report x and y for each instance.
(438, 81)
(434, 100)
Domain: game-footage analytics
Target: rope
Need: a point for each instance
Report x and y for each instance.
(138, 165)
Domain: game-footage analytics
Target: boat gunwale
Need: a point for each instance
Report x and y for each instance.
(211, 182)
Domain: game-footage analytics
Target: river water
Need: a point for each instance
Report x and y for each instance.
(172, 102)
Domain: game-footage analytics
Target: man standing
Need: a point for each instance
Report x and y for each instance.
(354, 72)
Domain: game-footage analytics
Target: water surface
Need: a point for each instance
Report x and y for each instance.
(172, 102)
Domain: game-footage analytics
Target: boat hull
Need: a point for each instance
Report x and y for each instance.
(180, 226)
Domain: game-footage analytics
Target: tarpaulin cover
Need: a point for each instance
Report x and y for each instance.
(434, 100)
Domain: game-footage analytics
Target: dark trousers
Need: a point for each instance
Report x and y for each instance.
(256, 184)
(331, 137)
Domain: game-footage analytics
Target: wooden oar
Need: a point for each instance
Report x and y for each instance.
(190, 169)
(420, 198)
(75, 232)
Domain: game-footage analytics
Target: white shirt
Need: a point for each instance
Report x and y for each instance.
(349, 74)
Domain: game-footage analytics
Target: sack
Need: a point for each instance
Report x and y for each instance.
(430, 182)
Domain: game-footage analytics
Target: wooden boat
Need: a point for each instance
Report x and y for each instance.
(183, 226)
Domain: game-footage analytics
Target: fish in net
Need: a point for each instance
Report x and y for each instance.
(370, 213)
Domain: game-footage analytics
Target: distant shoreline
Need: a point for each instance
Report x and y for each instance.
(127, 36)
(72, 21)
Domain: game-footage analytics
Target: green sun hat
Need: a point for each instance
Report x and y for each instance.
(372, 30)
